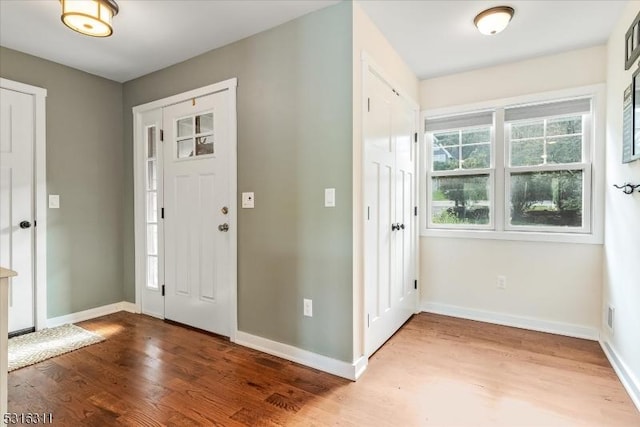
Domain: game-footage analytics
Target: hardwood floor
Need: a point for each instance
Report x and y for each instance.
(436, 371)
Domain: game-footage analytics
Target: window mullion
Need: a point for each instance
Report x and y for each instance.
(500, 157)
(552, 167)
(460, 149)
(461, 172)
(544, 142)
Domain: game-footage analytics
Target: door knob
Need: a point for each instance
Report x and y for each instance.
(223, 227)
(401, 226)
(25, 224)
(395, 227)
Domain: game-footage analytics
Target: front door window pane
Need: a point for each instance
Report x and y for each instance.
(204, 145)
(185, 127)
(204, 123)
(185, 148)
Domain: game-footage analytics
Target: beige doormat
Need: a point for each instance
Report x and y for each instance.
(35, 347)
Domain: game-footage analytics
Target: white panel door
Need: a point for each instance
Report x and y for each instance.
(197, 220)
(390, 240)
(404, 128)
(16, 203)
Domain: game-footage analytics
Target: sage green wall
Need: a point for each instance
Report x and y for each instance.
(85, 167)
(294, 140)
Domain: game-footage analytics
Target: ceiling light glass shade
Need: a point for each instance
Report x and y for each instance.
(494, 20)
(90, 17)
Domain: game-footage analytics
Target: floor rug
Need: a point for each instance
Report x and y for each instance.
(35, 347)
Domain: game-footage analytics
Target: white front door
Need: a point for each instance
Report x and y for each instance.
(197, 218)
(16, 203)
(390, 224)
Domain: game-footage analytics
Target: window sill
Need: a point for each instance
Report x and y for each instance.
(522, 236)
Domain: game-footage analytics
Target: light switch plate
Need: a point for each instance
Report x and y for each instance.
(248, 200)
(329, 197)
(307, 307)
(54, 201)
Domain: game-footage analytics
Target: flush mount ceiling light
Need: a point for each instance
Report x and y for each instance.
(90, 17)
(494, 20)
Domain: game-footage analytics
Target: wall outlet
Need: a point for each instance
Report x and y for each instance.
(610, 314)
(308, 307)
(502, 282)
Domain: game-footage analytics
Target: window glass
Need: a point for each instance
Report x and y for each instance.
(552, 141)
(460, 199)
(547, 198)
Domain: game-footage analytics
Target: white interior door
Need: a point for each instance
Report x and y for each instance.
(197, 218)
(16, 203)
(403, 131)
(390, 241)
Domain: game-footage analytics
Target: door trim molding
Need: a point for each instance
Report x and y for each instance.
(40, 195)
(139, 189)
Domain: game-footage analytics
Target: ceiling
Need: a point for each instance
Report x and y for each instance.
(438, 37)
(434, 37)
(148, 35)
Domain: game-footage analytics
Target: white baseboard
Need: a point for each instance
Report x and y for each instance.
(628, 380)
(350, 371)
(560, 328)
(92, 313)
(360, 366)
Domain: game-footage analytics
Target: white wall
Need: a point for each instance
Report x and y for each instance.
(550, 286)
(581, 67)
(368, 38)
(622, 225)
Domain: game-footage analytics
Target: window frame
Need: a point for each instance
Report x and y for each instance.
(592, 166)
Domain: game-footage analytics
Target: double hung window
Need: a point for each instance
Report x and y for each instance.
(548, 169)
(461, 177)
(514, 167)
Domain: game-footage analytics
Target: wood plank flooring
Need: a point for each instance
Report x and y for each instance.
(436, 371)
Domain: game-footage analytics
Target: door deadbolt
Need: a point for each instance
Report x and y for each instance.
(223, 227)
(225, 210)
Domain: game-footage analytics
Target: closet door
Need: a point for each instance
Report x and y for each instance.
(389, 168)
(404, 125)
(16, 204)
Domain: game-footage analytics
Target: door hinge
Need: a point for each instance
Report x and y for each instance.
(415, 284)
(161, 213)
(162, 290)
(368, 105)
(368, 213)
(368, 323)
(161, 135)
(415, 137)
(415, 211)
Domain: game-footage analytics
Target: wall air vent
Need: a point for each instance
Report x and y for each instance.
(610, 313)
